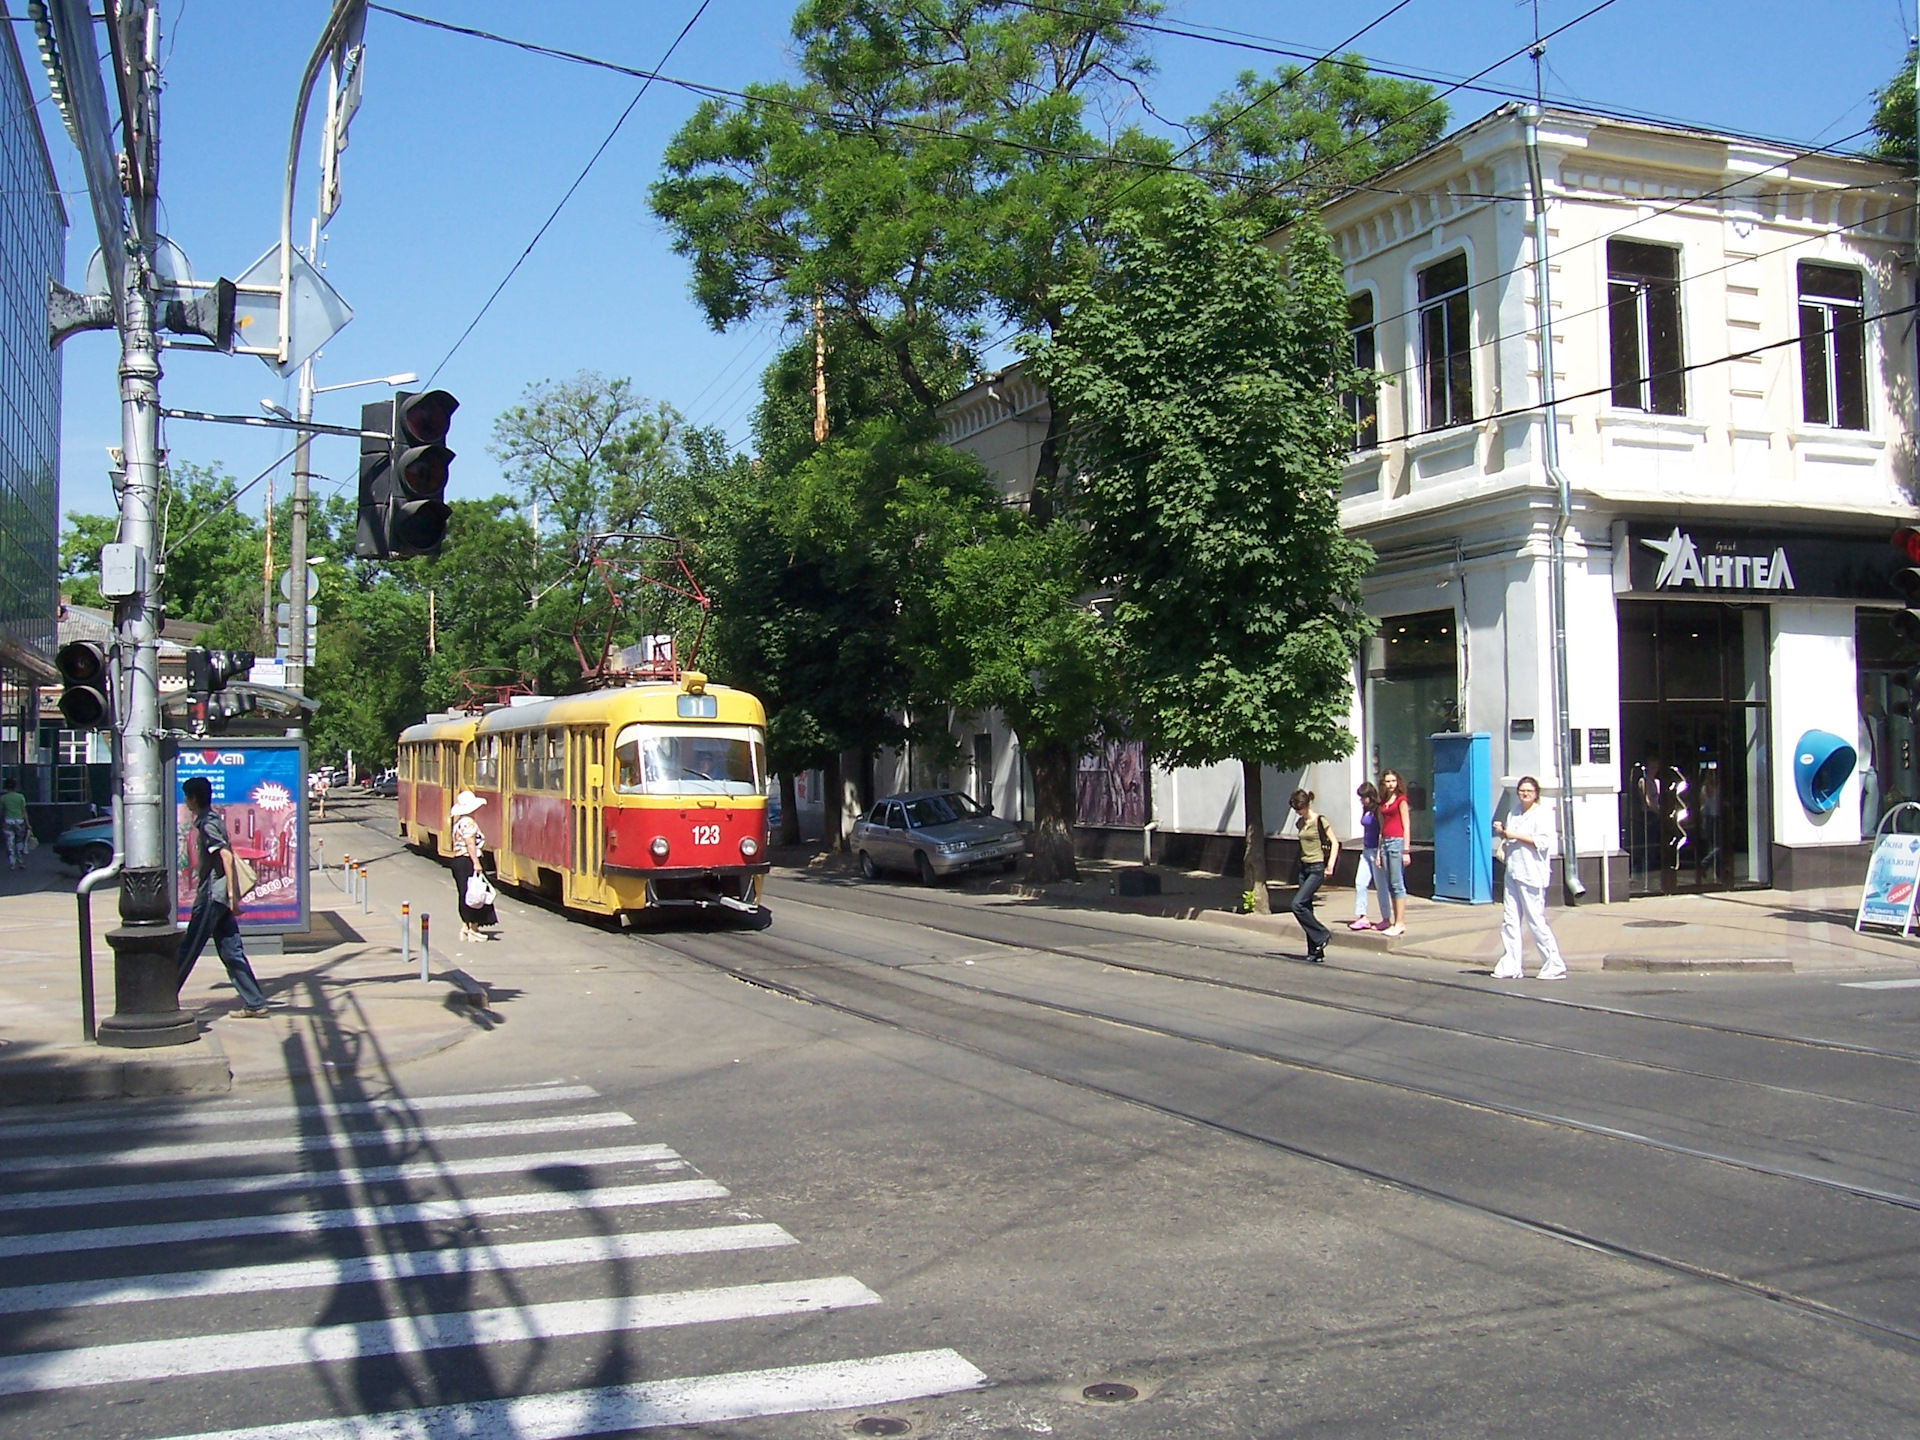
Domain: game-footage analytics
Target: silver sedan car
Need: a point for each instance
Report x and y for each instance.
(932, 834)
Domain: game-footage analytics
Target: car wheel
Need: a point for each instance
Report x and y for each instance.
(868, 870)
(925, 867)
(96, 857)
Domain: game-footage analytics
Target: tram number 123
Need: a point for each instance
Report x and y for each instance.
(706, 834)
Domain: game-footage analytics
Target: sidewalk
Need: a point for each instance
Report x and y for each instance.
(344, 1000)
(1744, 931)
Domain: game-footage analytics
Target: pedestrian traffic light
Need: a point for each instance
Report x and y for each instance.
(1906, 581)
(209, 671)
(404, 468)
(83, 681)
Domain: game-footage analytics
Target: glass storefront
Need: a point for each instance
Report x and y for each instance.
(1413, 692)
(1889, 773)
(1693, 746)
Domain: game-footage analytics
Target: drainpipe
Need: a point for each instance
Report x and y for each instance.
(1563, 514)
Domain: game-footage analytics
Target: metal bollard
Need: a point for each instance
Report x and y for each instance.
(366, 895)
(406, 932)
(320, 853)
(346, 875)
(425, 944)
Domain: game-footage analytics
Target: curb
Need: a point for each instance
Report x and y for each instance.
(1702, 965)
(199, 1068)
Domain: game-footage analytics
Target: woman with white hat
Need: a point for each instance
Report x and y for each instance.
(469, 880)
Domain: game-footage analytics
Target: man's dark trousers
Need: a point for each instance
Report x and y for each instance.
(212, 920)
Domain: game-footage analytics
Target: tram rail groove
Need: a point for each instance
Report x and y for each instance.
(1774, 1295)
(1846, 1047)
(1351, 1008)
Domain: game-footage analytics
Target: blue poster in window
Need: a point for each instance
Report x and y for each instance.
(259, 787)
(1892, 876)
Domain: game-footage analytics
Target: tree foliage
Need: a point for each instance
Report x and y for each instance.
(1207, 372)
(1893, 117)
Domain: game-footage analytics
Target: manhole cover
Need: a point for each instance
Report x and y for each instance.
(1655, 924)
(881, 1425)
(1110, 1392)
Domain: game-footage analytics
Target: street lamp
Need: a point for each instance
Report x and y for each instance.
(297, 546)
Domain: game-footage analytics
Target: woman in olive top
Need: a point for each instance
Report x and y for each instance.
(1396, 817)
(1319, 848)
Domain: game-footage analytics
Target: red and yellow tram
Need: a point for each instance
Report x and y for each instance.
(651, 795)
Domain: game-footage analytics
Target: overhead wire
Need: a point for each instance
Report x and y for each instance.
(578, 181)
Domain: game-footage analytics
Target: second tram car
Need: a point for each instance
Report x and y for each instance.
(648, 796)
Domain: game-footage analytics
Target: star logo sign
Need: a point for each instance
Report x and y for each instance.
(1679, 560)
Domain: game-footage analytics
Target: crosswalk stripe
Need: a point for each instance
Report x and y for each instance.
(297, 1222)
(248, 1113)
(1880, 984)
(651, 1404)
(295, 1144)
(403, 1335)
(405, 1265)
(320, 1179)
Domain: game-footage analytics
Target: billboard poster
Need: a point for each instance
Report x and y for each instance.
(259, 789)
(1892, 876)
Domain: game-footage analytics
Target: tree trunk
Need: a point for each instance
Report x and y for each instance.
(789, 809)
(834, 804)
(1254, 800)
(1055, 803)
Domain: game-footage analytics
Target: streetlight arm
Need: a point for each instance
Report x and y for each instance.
(337, 22)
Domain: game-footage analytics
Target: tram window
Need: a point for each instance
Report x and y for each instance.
(677, 760)
(486, 762)
(520, 762)
(556, 760)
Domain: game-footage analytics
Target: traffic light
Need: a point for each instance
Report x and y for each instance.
(83, 684)
(404, 465)
(1906, 580)
(209, 671)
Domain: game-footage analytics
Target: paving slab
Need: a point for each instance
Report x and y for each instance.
(338, 992)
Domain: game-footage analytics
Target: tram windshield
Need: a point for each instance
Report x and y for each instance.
(690, 760)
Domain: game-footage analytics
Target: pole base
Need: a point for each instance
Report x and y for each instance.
(146, 988)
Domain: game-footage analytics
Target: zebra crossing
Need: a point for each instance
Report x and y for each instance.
(409, 1268)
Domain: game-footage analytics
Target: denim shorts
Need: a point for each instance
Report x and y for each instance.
(1392, 876)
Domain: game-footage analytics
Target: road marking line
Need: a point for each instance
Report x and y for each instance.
(299, 1222)
(405, 1265)
(317, 1179)
(697, 1400)
(411, 1334)
(1881, 984)
(319, 1144)
(231, 1114)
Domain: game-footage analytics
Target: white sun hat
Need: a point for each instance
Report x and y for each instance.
(465, 803)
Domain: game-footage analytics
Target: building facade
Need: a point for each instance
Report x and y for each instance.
(1734, 375)
(32, 245)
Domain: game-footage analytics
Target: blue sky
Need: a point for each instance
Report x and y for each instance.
(461, 149)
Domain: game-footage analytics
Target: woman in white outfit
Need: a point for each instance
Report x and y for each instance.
(1530, 843)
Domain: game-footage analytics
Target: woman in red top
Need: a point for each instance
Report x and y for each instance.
(1396, 816)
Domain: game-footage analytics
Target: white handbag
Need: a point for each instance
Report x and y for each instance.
(479, 892)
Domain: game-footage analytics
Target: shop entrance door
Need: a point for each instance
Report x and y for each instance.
(1694, 752)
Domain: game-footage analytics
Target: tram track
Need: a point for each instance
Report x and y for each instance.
(1395, 1017)
(746, 950)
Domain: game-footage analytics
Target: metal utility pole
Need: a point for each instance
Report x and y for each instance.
(297, 570)
(819, 367)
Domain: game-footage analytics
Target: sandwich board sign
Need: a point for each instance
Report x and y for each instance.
(1893, 877)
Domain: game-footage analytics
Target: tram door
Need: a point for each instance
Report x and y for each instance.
(586, 778)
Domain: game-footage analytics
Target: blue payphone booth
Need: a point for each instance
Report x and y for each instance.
(1463, 818)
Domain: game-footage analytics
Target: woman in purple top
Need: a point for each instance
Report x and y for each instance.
(1369, 866)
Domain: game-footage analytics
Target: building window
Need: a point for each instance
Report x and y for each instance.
(1643, 304)
(1362, 409)
(1833, 347)
(1446, 343)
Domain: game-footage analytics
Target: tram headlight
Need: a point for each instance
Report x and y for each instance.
(659, 847)
(749, 847)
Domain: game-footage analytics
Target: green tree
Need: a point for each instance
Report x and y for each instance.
(1015, 631)
(1893, 118)
(80, 545)
(1207, 372)
(1279, 144)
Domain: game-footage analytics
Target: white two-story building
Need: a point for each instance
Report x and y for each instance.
(1734, 371)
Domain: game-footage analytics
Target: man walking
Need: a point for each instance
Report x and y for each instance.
(13, 811)
(216, 895)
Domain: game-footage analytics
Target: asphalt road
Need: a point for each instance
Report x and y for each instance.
(940, 1159)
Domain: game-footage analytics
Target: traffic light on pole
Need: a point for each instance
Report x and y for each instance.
(83, 684)
(404, 468)
(1906, 580)
(208, 671)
